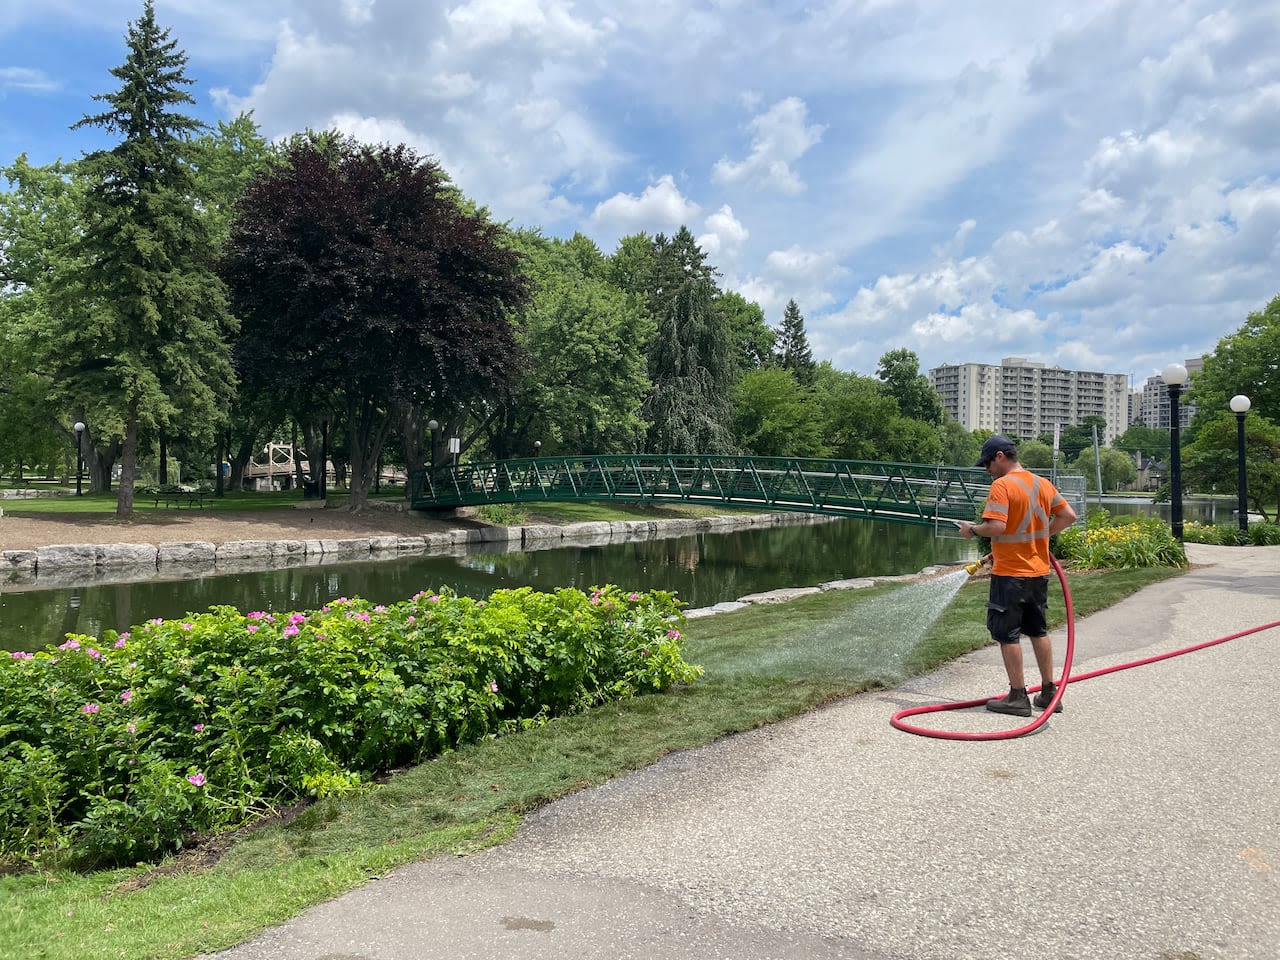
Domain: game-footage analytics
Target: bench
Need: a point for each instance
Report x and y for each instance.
(177, 499)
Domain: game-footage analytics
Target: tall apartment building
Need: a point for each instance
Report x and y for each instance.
(1153, 400)
(1025, 399)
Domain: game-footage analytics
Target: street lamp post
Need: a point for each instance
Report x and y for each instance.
(1175, 375)
(1240, 406)
(433, 426)
(537, 447)
(79, 429)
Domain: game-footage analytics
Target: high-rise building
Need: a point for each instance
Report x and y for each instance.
(1024, 399)
(1153, 405)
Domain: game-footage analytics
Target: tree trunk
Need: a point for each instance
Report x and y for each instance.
(164, 463)
(367, 428)
(413, 439)
(128, 467)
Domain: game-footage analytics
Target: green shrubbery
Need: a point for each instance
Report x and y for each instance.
(1113, 542)
(117, 750)
(1259, 534)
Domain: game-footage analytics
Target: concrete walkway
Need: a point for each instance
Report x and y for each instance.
(1141, 824)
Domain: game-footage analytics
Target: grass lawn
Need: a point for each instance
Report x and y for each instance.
(763, 663)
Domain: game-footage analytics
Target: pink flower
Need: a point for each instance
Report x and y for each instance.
(70, 645)
(94, 653)
(119, 644)
(673, 634)
(493, 685)
(434, 598)
(411, 619)
(198, 728)
(256, 615)
(126, 696)
(633, 597)
(252, 628)
(291, 631)
(156, 621)
(379, 609)
(298, 618)
(89, 708)
(22, 655)
(188, 626)
(196, 779)
(131, 727)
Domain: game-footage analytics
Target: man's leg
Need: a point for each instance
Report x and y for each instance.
(1012, 656)
(1043, 648)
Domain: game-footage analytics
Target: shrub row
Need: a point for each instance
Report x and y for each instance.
(1258, 534)
(116, 751)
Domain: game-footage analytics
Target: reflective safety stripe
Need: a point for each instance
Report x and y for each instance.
(1022, 537)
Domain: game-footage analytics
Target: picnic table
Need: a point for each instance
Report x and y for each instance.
(177, 499)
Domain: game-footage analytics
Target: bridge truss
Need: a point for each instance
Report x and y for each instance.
(897, 492)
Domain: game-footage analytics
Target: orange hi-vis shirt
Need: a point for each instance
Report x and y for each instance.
(1025, 502)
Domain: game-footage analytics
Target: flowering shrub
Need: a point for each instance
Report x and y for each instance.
(117, 750)
(1104, 541)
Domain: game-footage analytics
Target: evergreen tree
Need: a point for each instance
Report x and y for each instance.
(691, 359)
(793, 347)
(154, 346)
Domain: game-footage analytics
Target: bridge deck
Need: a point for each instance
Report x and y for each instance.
(898, 492)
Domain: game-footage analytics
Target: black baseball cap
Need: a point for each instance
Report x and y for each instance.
(995, 444)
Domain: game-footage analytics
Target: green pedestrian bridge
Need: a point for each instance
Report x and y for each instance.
(897, 492)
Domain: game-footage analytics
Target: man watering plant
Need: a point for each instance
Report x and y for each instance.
(1023, 511)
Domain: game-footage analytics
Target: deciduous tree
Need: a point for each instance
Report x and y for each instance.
(360, 273)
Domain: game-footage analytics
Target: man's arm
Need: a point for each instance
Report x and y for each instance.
(987, 528)
(1062, 519)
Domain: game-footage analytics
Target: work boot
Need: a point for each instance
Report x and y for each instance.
(1015, 702)
(1045, 695)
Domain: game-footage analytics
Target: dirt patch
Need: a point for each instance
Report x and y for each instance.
(29, 531)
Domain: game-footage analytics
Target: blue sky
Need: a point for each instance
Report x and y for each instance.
(1089, 184)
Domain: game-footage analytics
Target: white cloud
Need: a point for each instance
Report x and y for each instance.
(781, 136)
(25, 79)
(724, 237)
(660, 208)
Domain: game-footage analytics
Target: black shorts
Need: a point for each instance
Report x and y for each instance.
(1017, 605)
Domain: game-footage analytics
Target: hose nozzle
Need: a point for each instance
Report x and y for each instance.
(972, 568)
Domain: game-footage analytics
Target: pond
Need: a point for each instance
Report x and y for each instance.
(703, 569)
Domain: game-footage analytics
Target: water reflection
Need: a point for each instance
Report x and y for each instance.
(702, 569)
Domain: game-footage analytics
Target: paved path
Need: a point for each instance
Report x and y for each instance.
(1141, 824)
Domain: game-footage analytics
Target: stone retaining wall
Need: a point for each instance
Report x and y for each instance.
(82, 564)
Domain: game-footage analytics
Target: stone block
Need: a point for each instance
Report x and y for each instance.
(859, 583)
(541, 532)
(67, 555)
(347, 548)
(591, 530)
(780, 596)
(245, 550)
(127, 555)
(191, 552)
(499, 534)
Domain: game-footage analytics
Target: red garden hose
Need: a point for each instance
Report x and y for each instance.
(898, 721)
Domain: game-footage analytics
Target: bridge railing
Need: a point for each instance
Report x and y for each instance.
(899, 492)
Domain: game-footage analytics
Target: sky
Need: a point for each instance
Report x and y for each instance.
(1093, 185)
